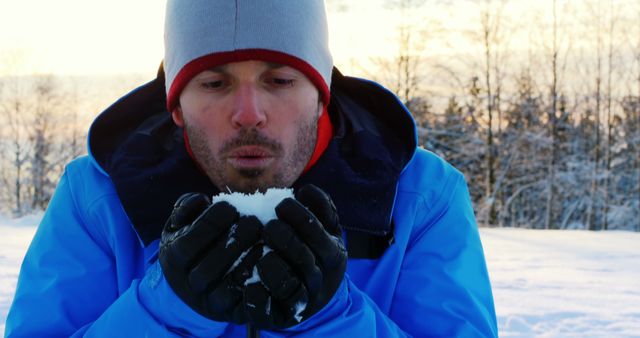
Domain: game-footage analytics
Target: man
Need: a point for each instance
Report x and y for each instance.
(131, 245)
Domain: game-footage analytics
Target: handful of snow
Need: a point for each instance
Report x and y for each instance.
(261, 205)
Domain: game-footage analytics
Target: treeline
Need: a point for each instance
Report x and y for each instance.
(44, 120)
(542, 113)
(562, 170)
(40, 131)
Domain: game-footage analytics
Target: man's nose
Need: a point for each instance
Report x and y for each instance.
(248, 110)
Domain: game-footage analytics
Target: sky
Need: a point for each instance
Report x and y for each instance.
(122, 37)
(80, 37)
(91, 37)
(546, 283)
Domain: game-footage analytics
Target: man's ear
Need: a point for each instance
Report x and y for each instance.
(177, 116)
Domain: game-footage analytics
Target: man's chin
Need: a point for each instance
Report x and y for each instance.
(249, 181)
(250, 174)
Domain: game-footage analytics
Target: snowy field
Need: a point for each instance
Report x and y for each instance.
(546, 283)
(565, 283)
(14, 240)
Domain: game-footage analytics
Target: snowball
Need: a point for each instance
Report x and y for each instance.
(261, 205)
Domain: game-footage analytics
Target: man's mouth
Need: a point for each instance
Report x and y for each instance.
(250, 157)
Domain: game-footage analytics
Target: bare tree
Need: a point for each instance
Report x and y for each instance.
(631, 107)
(612, 18)
(42, 140)
(404, 72)
(593, 205)
(637, 119)
(13, 112)
(552, 121)
(493, 40)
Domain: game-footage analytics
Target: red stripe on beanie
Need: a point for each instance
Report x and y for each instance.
(209, 61)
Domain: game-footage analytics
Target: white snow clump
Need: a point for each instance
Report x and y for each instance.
(261, 205)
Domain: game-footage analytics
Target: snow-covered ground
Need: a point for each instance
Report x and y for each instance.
(546, 283)
(565, 283)
(15, 236)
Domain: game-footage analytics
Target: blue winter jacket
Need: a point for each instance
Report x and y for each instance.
(416, 265)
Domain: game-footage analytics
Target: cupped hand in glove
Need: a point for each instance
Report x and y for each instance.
(307, 264)
(207, 252)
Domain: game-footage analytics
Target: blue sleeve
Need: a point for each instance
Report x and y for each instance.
(68, 285)
(442, 289)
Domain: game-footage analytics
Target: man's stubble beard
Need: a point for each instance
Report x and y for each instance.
(283, 173)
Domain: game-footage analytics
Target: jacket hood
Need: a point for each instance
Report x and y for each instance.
(136, 144)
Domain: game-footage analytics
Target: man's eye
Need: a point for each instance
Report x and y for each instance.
(282, 82)
(212, 84)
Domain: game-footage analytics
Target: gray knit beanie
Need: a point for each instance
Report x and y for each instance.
(202, 34)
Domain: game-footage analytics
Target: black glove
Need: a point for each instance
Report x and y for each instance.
(306, 266)
(206, 253)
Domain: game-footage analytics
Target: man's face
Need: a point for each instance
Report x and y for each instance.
(251, 125)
